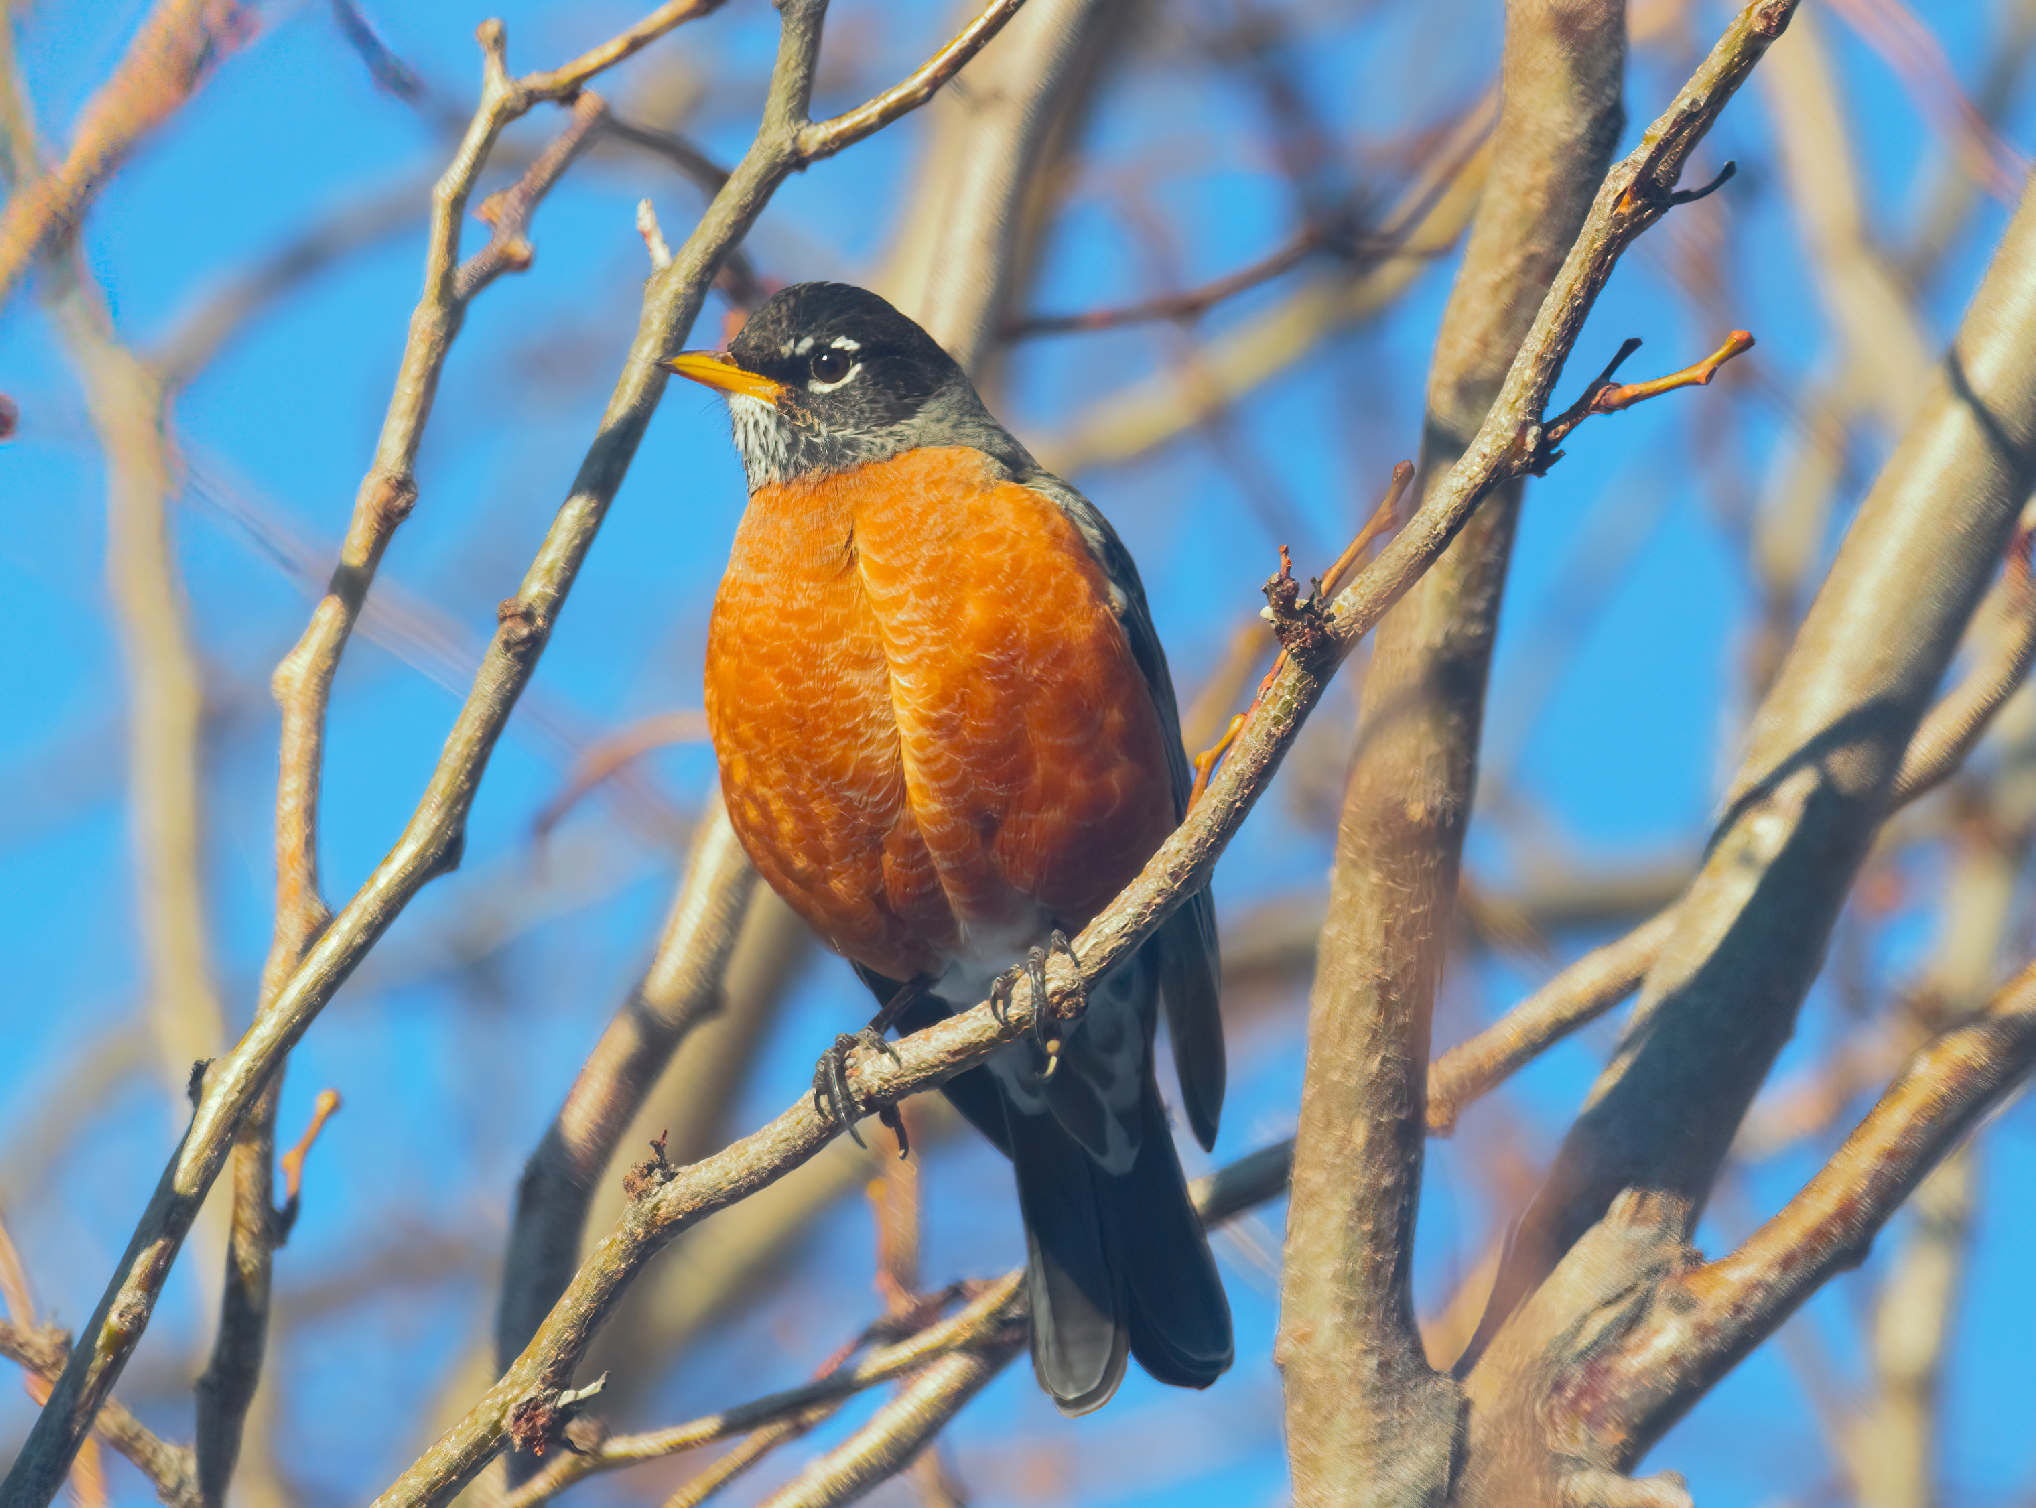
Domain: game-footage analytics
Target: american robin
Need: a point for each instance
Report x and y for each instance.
(947, 737)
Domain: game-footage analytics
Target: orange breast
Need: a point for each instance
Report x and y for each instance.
(931, 730)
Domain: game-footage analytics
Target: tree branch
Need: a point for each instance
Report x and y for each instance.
(303, 686)
(990, 1315)
(1825, 755)
(1367, 1420)
(983, 1326)
(1704, 1319)
(563, 85)
(1598, 981)
(899, 1431)
(169, 1468)
(819, 139)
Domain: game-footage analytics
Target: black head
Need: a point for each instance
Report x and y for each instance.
(826, 376)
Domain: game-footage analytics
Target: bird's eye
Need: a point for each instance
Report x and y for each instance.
(830, 365)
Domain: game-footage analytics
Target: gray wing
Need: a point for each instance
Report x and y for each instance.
(1185, 945)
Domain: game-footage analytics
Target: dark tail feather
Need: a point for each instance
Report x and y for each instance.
(1116, 1265)
(1079, 1328)
(1180, 1318)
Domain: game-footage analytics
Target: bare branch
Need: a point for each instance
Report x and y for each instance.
(1598, 981)
(983, 1326)
(1825, 753)
(819, 139)
(1579, 994)
(563, 85)
(1607, 397)
(508, 213)
(991, 1314)
(1706, 1318)
(1368, 1421)
(897, 1432)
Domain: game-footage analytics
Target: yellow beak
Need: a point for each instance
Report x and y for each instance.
(715, 370)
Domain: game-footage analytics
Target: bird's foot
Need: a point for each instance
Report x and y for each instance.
(831, 1095)
(1044, 1017)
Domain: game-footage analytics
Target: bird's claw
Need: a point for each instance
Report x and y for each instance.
(1004, 989)
(831, 1095)
(1042, 1007)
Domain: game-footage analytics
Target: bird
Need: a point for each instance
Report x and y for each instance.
(947, 737)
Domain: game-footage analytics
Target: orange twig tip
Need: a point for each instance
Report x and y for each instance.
(1605, 396)
(1205, 762)
(1611, 399)
(293, 1160)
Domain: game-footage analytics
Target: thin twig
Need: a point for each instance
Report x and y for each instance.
(1195, 302)
(820, 139)
(1605, 396)
(600, 760)
(564, 84)
(508, 213)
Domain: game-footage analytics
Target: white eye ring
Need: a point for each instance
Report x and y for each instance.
(828, 357)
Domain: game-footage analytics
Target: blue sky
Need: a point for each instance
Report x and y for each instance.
(453, 1056)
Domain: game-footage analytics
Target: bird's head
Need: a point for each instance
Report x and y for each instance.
(826, 376)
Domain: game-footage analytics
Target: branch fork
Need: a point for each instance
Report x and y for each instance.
(1604, 396)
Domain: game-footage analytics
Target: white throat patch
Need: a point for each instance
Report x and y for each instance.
(761, 439)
